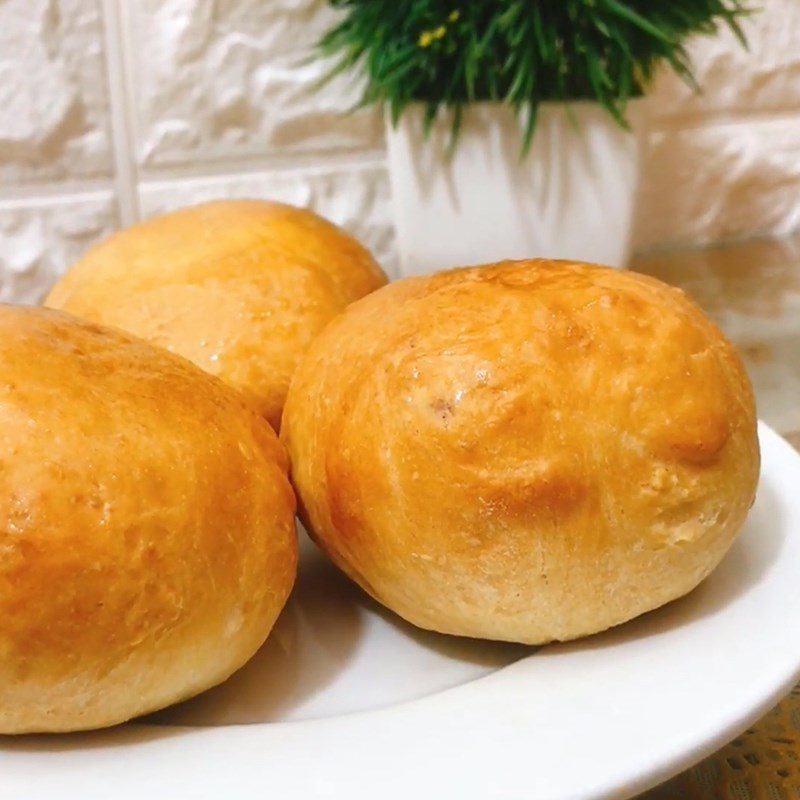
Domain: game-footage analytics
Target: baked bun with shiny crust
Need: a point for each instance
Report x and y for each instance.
(527, 451)
(147, 539)
(239, 287)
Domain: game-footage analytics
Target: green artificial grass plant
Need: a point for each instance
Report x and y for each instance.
(448, 53)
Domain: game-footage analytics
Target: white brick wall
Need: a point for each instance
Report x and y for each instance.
(726, 164)
(113, 110)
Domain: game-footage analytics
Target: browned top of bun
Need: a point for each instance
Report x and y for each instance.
(212, 241)
(146, 525)
(529, 450)
(240, 287)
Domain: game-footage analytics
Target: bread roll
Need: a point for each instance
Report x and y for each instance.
(147, 538)
(528, 451)
(239, 287)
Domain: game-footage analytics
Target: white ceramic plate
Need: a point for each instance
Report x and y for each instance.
(346, 701)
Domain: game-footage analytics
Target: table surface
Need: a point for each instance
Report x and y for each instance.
(752, 290)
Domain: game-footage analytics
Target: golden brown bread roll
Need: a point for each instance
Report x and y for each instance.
(528, 451)
(239, 287)
(147, 538)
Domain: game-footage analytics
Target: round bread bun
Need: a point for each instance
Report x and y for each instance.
(147, 539)
(239, 287)
(527, 451)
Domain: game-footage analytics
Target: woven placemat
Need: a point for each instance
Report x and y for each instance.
(761, 764)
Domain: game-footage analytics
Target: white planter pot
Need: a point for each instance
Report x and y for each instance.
(572, 197)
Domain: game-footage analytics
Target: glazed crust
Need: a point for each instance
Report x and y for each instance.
(147, 539)
(528, 451)
(239, 287)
